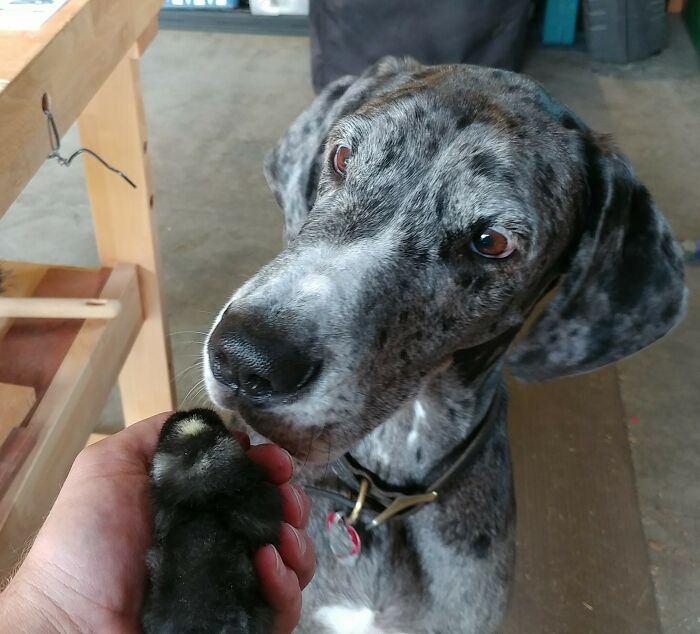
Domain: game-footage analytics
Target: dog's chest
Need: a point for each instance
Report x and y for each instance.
(375, 594)
(419, 573)
(408, 579)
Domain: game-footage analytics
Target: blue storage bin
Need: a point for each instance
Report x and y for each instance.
(560, 21)
(200, 4)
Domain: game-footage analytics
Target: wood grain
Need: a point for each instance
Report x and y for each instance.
(57, 308)
(13, 452)
(68, 60)
(125, 230)
(16, 401)
(19, 279)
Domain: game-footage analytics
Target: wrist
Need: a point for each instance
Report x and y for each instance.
(26, 608)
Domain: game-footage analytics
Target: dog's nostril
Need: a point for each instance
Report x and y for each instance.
(257, 362)
(222, 368)
(255, 386)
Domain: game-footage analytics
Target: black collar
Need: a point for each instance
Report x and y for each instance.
(380, 502)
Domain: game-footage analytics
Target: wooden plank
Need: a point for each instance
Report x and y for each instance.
(22, 362)
(582, 562)
(68, 60)
(65, 417)
(93, 438)
(13, 453)
(147, 37)
(675, 6)
(16, 401)
(19, 279)
(57, 308)
(125, 229)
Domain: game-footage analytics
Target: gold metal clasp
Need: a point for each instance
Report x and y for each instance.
(361, 497)
(401, 504)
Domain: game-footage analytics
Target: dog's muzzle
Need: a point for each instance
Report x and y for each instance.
(257, 362)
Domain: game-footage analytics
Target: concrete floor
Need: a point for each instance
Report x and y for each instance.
(216, 102)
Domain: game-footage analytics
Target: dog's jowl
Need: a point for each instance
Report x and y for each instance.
(428, 209)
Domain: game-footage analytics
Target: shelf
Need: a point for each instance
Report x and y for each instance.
(71, 367)
(233, 21)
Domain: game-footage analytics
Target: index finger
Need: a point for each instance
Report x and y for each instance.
(137, 441)
(276, 461)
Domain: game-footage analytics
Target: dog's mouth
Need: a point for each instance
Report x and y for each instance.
(313, 444)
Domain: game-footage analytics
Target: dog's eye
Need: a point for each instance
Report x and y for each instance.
(340, 159)
(493, 242)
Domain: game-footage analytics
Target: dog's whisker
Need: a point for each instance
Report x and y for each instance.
(195, 366)
(192, 389)
(328, 457)
(197, 341)
(187, 332)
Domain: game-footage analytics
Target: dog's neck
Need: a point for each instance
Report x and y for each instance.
(415, 440)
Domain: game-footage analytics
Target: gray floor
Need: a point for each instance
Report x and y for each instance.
(216, 102)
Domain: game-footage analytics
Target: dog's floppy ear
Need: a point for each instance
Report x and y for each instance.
(293, 166)
(624, 286)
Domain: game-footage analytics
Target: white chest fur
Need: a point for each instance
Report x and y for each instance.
(339, 619)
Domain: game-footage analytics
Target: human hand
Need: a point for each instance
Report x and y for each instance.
(86, 572)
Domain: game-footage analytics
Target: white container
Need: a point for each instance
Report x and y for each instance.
(279, 7)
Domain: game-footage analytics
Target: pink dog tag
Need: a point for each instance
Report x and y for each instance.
(342, 539)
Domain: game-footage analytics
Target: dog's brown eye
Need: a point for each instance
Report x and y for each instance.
(493, 242)
(341, 158)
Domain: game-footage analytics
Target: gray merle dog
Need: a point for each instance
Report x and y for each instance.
(428, 210)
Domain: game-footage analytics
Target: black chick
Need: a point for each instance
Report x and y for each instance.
(212, 509)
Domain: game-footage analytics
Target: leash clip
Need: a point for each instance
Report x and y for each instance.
(401, 504)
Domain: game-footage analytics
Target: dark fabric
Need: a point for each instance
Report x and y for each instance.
(349, 35)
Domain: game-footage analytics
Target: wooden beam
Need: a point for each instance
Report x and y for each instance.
(19, 279)
(13, 453)
(16, 401)
(125, 230)
(147, 37)
(96, 438)
(66, 415)
(68, 60)
(33, 349)
(57, 308)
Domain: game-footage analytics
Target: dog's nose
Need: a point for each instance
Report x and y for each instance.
(257, 361)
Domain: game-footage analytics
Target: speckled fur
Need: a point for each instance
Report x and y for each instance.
(412, 328)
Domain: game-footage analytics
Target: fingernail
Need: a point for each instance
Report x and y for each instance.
(299, 500)
(289, 457)
(301, 542)
(278, 561)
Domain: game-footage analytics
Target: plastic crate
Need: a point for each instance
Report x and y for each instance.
(201, 4)
(559, 25)
(279, 7)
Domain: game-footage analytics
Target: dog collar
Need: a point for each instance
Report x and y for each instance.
(381, 502)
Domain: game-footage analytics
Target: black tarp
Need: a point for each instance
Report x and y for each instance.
(348, 35)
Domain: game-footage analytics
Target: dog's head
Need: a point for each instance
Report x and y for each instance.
(427, 210)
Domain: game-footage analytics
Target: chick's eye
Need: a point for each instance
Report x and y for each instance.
(493, 242)
(340, 159)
